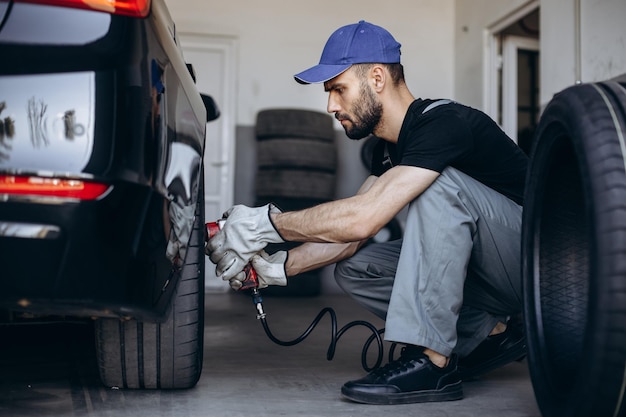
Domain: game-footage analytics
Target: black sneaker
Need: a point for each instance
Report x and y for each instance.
(412, 378)
(495, 351)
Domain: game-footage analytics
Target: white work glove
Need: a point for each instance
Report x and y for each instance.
(270, 270)
(246, 231)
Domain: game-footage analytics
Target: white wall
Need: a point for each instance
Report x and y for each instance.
(278, 38)
(603, 34)
(472, 18)
(442, 43)
(442, 50)
(602, 43)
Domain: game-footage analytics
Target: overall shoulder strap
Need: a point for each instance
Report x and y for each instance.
(437, 104)
(387, 157)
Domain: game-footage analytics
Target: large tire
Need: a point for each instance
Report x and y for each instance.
(299, 123)
(367, 151)
(145, 355)
(297, 165)
(295, 184)
(307, 283)
(297, 156)
(298, 153)
(574, 252)
(391, 231)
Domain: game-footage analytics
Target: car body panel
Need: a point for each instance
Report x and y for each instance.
(4, 9)
(108, 99)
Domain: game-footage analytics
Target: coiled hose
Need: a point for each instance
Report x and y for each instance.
(335, 334)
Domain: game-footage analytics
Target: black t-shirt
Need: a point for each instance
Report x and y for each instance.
(451, 134)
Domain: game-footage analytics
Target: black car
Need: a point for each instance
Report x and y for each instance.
(102, 134)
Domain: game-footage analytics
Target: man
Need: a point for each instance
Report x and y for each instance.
(449, 286)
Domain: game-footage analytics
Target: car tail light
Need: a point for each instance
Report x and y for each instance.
(51, 187)
(135, 8)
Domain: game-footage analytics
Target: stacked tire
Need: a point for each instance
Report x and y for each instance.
(297, 166)
(574, 253)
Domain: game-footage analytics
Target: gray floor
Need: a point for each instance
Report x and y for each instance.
(49, 371)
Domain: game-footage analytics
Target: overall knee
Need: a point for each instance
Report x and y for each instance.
(347, 274)
(341, 272)
(444, 188)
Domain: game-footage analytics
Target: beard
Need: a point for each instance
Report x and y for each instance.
(367, 113)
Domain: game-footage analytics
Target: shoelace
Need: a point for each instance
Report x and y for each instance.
(401, 364)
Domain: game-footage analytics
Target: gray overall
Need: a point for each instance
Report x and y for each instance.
(453, 276)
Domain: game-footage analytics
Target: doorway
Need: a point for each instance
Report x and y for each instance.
(520, 88)
(512, 74)
(214, 62)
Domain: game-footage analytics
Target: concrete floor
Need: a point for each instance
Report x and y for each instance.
(50, 370)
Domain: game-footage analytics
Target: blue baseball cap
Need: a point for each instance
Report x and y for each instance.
(359, 43)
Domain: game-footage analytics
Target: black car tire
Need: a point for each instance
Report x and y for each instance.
(295, 184)
(168, 355)
(367, 151)
(297, 156)
(573, 252)
(272, 123)
(299, 153)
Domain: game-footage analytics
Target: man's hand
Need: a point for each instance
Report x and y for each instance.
(246, 231)
(270, 270)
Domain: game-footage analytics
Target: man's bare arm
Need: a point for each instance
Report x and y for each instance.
(360, 217)
(313, 255)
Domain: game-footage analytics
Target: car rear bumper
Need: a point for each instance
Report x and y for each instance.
(104, 257)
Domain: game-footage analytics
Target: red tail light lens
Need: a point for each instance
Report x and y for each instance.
(135, 8)
(52, 187)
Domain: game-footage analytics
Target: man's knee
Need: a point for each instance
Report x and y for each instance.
(344, 274)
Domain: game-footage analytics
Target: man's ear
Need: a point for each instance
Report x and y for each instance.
(378, 77)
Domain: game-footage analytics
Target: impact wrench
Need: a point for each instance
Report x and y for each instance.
(251, 282)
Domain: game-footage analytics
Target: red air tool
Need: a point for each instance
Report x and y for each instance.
(251, 281)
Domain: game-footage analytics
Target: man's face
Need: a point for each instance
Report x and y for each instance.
(354, 103)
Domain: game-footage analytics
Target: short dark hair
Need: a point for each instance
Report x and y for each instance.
(396, 71)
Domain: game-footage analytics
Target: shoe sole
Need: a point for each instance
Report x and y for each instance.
(450, 392)
(515, 353)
